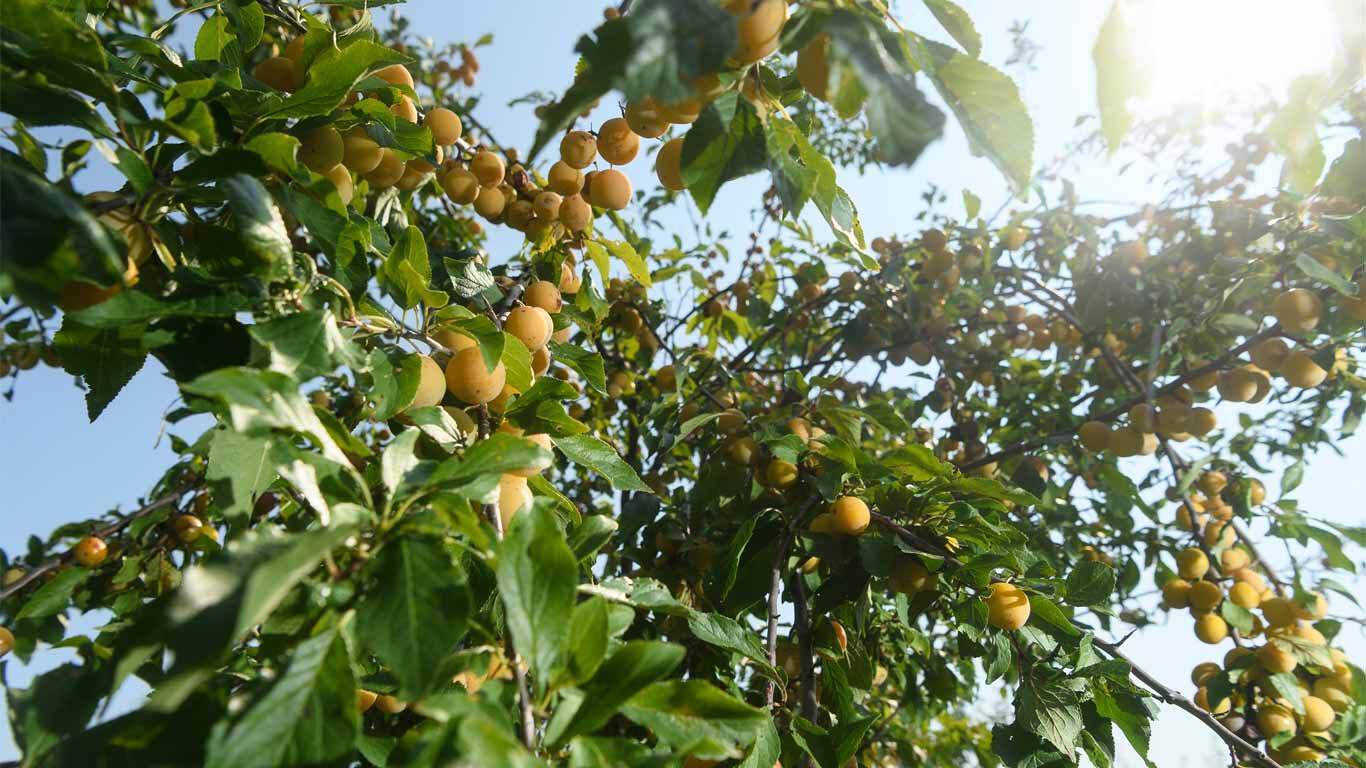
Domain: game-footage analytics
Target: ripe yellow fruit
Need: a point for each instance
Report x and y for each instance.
(389, 170)
(514, 495)
(1143, 417)
(851, 515)
(1013, 238)
(1211, 629)
(1269, 354)
(645, 120)
(1200, 421)
(1334, 692)
(1319, 611)
(611, 190)
(564, 179)
(431, 383)
(1217, 535)
(1318, 715)
(1355, 306)
(90, 552)
(340, 177)
(683, 112)
(1238, 385)
(669, 165)
(445, 126)
(1278, 612)
(1094, 436)
(543, 294)
(617, 143)
(1205, 595)
(461, 186)
(470, 381)
(404, 108)
(1274, 719)
(547, 206)
(532, 325)
(1176, 593)
(1192, 564)
(1231, 560)
(1007, 606)
(1203, 672)
(276, 72)
(489, 202)
(576, 214)
(321, 149)
(742, 450)
(360, 153)
(813, 67)
(1276, 660)
(759, 26)
(365, 700)
(6, 642)
(1297, 310)
(1301, 370)
(1219, 708)
(578, 148)
(779, 474)
(542, 440)
(1126, 441)
(910, 576)
(730, 421)
(540, 361)
(396, 74)
(487, 168)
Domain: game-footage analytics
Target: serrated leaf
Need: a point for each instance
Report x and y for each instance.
(598, 456)
(1090, 583)
(1123, 71)
(306, 344)
(635, 665)
(958, 24)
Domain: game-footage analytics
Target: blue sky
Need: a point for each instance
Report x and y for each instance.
(56, 467)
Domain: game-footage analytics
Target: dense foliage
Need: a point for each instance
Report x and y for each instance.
(462, 507)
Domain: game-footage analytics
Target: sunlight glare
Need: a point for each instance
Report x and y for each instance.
(1210, 51)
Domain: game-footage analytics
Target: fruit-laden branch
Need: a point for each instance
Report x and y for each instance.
(1123, 408)
(56, 561)
(1165, 694)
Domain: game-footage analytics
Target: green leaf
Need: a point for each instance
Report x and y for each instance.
(725, 632)
(307, 717)
(725, 143)
(586, 642)
(537, 574)
(958, 24)
(1051, 614)
(469, 277)
(972, 204)
(212, 38)
(898, 113)
(128, 307)
(333, 75)
(1123, 71)
(407, 272)
(486, 459)
(46, 28)
(258, 401)
(54, 596)
(590, 535)
(598, 456)
(656, 50)
(306, 344)
(259, 223)
(1316, 270)
(686, 712)
(415, 613)
(239, 470)
(1090, 583)
(630, 669)
(987, 104)
(279, 151)
(587, 364)
(105, 359)
(628, 256)
(516, 361)
(1293, 476)
(1133, 715)
(1053, 711)
(394, 387)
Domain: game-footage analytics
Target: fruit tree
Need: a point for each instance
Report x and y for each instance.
(503, 469)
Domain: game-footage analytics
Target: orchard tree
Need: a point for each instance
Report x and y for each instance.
(620, 496)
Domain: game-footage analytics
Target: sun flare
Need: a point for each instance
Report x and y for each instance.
(1210, 51)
